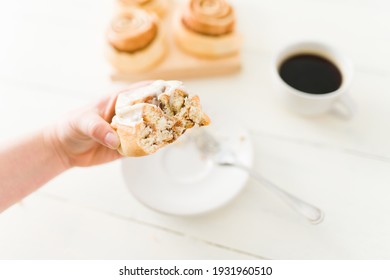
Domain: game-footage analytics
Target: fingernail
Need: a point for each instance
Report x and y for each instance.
(111, 140)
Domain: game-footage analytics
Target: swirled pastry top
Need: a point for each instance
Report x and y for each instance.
(209, 17)
(132, 31)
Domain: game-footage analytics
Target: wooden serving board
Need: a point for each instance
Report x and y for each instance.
(180, 65)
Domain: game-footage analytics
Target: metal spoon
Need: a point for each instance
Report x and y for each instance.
(211, 148)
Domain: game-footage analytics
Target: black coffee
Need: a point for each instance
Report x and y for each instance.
(311, 74)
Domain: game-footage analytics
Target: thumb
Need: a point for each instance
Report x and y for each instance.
(95, 127)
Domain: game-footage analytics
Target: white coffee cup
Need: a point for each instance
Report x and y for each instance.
(309, 104)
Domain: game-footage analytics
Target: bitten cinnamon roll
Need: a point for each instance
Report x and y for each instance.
(136, 41)
(206, 28)
(154, 116)
(159, 7)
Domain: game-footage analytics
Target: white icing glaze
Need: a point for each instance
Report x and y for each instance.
(128, 113)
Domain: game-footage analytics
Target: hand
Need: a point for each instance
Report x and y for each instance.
(86, 137)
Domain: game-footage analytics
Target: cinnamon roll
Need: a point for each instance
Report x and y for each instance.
(136, 42)
(155, 116)
(206, 28)
(159, 7)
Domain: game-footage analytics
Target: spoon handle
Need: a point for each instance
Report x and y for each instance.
(313, 214)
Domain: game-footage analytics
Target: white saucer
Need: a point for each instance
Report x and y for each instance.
(178, 180)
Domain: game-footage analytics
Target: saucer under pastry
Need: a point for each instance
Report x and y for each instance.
(179, 180)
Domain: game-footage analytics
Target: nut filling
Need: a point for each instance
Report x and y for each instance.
(169, 118)
(154, 116)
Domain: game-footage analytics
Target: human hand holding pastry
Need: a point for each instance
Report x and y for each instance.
(84, 138)
(149, 116)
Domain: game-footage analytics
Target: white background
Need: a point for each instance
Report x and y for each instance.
(51, 60)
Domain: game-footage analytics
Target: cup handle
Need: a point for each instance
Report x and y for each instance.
(344, 107)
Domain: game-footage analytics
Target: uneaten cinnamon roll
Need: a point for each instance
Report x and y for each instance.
(154, 116)
(136, 42)
(159, 7)
(206, 28)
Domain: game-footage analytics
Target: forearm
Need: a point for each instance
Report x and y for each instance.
(26, 165)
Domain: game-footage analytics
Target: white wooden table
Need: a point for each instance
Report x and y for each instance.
(51, 60)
